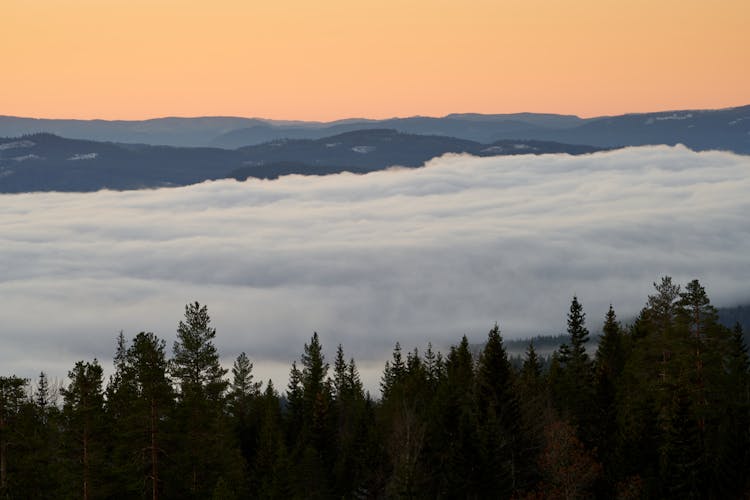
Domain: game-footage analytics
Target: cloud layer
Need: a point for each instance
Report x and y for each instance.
(407, 255)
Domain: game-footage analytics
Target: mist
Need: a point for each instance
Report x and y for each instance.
(408, 255)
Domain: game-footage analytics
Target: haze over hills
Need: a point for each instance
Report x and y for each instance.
(46, 162)
(727, 129)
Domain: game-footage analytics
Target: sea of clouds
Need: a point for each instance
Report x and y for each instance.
(409, 255)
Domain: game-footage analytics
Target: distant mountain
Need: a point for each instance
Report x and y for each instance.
(161, 131)
(46, 162)
(480, 128)
(727, 129)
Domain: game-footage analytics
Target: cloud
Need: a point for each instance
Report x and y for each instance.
(409, 255)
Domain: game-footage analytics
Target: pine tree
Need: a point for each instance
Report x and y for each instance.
(295, 406)
(12, 393)
(271, 463)
(733, 442)
(534, 402)
(393, 374)
(200, 380)
(242, 388)
(34, 470)
(244, 411)
(532, 367)
(125, 459)
(146, 369)
(195, 362)
(349, 468)
(433, 367)
(83, 409)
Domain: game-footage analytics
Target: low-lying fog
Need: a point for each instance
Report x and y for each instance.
(399, 255)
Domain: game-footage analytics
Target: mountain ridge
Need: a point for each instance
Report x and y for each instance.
(47, 162)
(725, 128)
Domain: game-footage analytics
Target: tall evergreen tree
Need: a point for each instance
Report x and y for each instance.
(313, 455)
(498, 415)
(244, 410)
(195, 362)
(271, 478)
(610, 360)
(574, 391)
(147, 370)
(460, 472)
(12, 394)
(200, 380)
(393, 373)
(83, 409)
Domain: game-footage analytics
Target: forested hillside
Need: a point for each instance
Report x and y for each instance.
(660, 409)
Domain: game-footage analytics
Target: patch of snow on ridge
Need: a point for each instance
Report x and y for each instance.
(673, 116)
(83, 156)
(27, 157)
(16, 144)
(363, 149)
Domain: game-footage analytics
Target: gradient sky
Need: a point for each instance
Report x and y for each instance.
(292, 59)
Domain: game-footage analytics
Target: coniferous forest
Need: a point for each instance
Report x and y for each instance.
(660, 409)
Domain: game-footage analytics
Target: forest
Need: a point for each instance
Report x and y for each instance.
(660, 409)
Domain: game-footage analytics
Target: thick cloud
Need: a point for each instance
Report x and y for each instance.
(408, 255)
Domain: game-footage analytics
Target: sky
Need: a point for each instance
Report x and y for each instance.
(331, 59)
(408, 255)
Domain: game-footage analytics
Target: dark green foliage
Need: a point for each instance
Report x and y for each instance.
(11, 410)
(140, 398)
(84, 420)
(195, 362)
(572, 378)
(503, 444)
(206, 448)
(312, 435)
(663, 411)
(610, 361)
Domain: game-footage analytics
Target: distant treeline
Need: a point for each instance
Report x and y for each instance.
(661, 409)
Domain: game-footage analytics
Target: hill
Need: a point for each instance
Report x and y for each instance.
(46, 162)
(725, 129)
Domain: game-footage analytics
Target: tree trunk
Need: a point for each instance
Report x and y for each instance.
(3, 451)
(154, 454)
(85, 463)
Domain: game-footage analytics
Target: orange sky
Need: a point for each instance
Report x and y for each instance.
(329, 59)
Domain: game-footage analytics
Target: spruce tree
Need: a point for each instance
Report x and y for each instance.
(458, 430)
(498, 416)
(313, 450)
(610, 360)
(579, 334)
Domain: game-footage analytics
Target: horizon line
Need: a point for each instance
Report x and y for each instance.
(356, 118)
